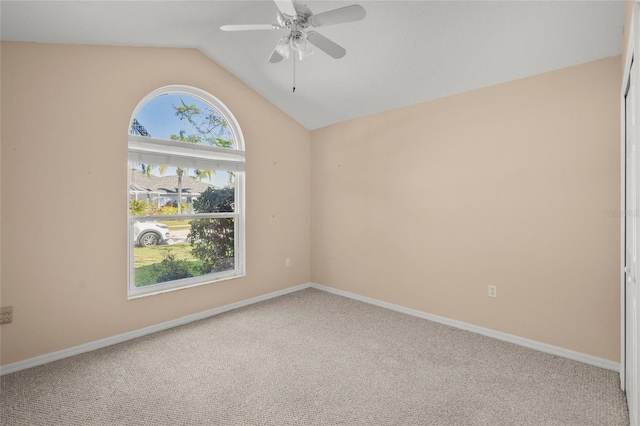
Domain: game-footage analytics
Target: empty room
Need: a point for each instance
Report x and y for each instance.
(319, 213)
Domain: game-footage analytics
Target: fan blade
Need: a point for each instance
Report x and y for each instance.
(351, 13)
(286, 7)
(249, 27)
(327, 46)
(275, 57)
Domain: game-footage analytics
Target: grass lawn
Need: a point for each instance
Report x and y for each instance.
(176, 225)
(146, 257)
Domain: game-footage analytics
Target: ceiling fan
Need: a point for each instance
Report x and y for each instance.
(297, 19)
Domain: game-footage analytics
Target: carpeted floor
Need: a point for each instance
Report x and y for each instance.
(313, 358)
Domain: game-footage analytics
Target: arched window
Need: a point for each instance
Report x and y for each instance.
(186, 192)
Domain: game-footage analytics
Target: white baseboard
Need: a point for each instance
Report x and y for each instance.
(532, 344)
(97, 344)
(87, 347)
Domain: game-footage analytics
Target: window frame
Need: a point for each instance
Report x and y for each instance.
(150, 150)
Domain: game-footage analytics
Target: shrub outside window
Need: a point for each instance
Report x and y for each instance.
(185, 193)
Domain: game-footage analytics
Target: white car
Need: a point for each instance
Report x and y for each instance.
(147, 234)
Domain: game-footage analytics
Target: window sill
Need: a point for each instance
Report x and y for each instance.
(167, 290)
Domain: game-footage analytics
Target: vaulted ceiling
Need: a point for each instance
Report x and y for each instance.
(401, 53)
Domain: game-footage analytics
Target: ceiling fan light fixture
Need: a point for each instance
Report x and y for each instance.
(283, 47)
(305, 53)
(298, 41)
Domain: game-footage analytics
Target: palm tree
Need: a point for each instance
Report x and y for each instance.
(200, 174)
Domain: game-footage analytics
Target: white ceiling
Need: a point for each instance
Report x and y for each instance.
(402, 53)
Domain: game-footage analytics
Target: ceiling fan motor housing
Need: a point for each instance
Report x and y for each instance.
(295, 23)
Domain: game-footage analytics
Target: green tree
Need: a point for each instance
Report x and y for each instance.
(138, 208)
(212, 239)
(200, 174)
(171, 268)
(204, 126)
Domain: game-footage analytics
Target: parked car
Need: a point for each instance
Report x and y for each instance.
(147, 234)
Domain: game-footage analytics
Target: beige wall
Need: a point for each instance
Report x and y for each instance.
(426, 206)
(65, 117)
(423, 206)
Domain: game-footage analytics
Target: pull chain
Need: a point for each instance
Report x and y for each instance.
(294, 72)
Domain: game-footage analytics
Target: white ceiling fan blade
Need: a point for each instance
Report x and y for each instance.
(249, 27)
(286, 7)
(327, 46)
(351, 13)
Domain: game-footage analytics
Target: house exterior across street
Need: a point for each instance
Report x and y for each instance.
(160, 191)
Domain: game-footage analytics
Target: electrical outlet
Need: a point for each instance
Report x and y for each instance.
(6, 314)
(287, 262)
(493, 291)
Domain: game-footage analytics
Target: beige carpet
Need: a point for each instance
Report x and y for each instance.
(313, 358)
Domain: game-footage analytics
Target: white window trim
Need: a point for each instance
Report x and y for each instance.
(143, 149)
(151, 150)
